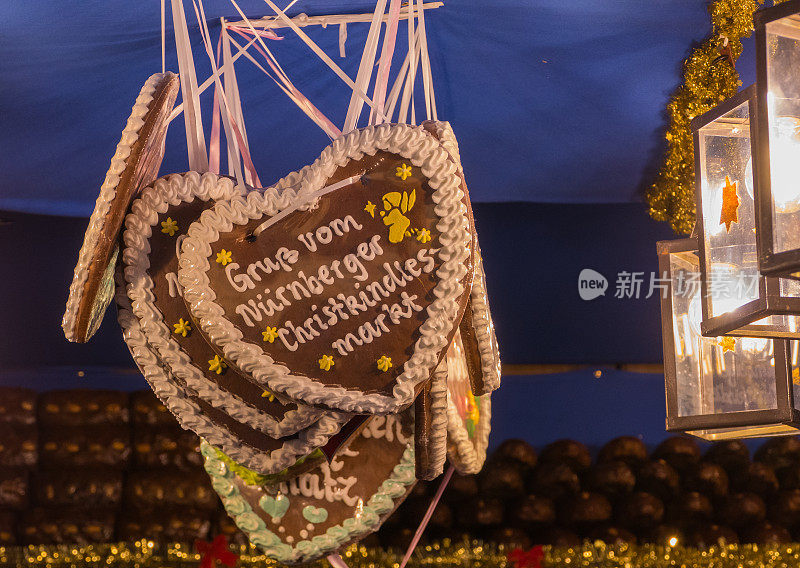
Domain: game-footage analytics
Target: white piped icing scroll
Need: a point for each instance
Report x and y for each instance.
(97, 221)
(191, 417)
(482, 315)
(155, 200)
(422, 151)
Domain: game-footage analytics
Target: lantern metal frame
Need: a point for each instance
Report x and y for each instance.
(738, 424)
(770, 301)
(786, 263)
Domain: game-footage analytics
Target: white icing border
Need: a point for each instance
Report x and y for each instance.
(423, 151)
(482, 323)
(155, 200)
(191, 417)
(108, 191)
(437, 441)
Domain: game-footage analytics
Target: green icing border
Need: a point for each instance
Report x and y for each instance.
(251, 477)
(222, 479)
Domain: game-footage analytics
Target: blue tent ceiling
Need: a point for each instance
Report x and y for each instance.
(552, 101)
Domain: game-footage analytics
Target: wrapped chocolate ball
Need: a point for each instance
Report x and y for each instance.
(731, 455)
(17, 405)
(640, 511)
(461, 487)
(784, 508)
(690, 507)
(627, 449)
(147, 410)
(682, 453)
(511, 537)
(80, 488)
(664, 535)
(8, 528)
(788, 477)
(585, 510)
(13, 488)
(173, 489)
(480, 513)
(518, 451)
(502, 479)
(533, 512)
(165, 524)
(780, 452)
(82, 407)
(708, 478)
(166, 446)
(554, 480)
(742, 510)
(704, 536)
(18, 445)
(557, 537)
(659, 478)
(613, 479)
(97, 445)
(612, 535)
(67, 526)
(758, 478)
(223, 524)
(441, 522)
(569, 452)
(765, 532)
(397, 539)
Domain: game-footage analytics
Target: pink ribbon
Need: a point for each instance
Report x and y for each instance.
(214, 141)
(385, 62)
(336, 561)
(428, 514)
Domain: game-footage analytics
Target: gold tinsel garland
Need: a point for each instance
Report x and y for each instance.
(708, 79)
(456, 554)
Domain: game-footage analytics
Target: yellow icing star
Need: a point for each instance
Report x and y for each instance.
(727, 343)
(268, 395)
(403, 172)
(216, 365)
(370, 208)
(270, 334)
(224, 257)
(796, 376)
(182, 327)
(169, 227)
(384, 363)
(326, 362)
(423, 235)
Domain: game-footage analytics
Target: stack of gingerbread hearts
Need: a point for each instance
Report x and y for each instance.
(328, 337)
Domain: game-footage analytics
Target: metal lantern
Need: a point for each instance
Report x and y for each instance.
(737, 299)
(777, 139)
(719, 387)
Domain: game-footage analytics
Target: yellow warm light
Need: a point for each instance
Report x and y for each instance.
(673, 541)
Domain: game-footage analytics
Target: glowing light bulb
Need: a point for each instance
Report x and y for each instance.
(784, 161)
(754, 345)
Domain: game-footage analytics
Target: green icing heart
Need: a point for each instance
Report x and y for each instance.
(315, 514)
(276, 507)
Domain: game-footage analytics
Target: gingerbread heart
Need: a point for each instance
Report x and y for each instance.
(477, 328)
(318, 512)
(343, 285)
(468, 415)
(154, 229)
(134, 164)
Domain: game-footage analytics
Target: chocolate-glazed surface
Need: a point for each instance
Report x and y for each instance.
(168, 300)
(359, 245)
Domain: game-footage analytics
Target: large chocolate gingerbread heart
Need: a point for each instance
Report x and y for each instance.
(318, 512)
(344, 290)
(154, 229)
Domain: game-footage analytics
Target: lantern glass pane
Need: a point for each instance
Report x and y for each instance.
(714, 375)
(759, 431)
(729, 226)
(783, 117)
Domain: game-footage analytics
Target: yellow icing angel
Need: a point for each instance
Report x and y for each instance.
(398, 204)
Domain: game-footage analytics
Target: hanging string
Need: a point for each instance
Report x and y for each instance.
(336, 561)
(365, 67)
(195, 138)
(427, 78)
(411, 77)
(428, 514)
(163, 37)
(214, 141)
(342, 38)
(385, 65)
(231, 90)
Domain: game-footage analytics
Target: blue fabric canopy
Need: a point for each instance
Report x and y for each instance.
(552, 101)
